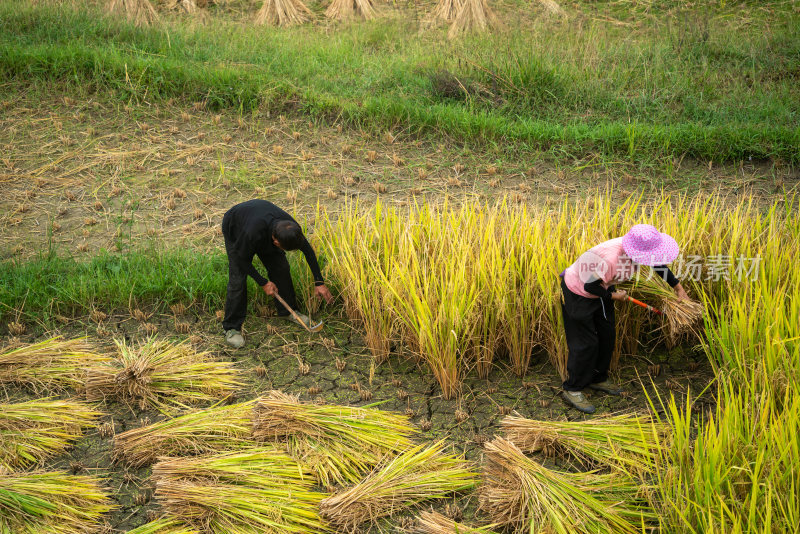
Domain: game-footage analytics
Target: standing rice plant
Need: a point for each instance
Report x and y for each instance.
(415, 476)
(32, 431)
(436, 523)
(521, 493)
(338, 444)
(217, 429)
(51, 502)
(164, 526)
(163, 375)
(627, 441)
(53, 365)
(258, 490)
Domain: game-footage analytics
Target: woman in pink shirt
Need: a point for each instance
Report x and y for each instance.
(589, 294)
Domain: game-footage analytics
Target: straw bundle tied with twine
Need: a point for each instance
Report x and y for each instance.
(472, 15)
(217, 429)
(344, 9)
(53, 365)
(140, 12)
(283, 13)
(629, 442)
(523, 494)
(257, 490)
(399, 483)
(31, 432)
(164, 526)
(163, 375)
(51, 502)
(338, 444)
(436, 523)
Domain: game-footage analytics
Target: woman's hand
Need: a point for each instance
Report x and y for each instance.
(322, 292)
(681, 292)
(619, 294)
(270, 289)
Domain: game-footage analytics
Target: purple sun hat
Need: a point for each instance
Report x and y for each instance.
(646, 245)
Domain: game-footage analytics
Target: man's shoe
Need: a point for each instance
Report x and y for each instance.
(608, 386)
(576, 399)
(234, 339)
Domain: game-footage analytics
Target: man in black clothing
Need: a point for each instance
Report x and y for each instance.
(260, 228)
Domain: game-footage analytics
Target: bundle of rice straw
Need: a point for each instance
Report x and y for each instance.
(217, 429)
(552, 8)
(523, 494)
(399, 483)
(31, 432)
(163, 375)
(140, 12)
(53, 365)
(337, 443)
(436, 523)
(258, 490)
(164, 526)
(472, 15)
(283, 13)
(628, 442)
(345, 9)
(681, 319)
(188, 6)
(445, 10)
(52, 503)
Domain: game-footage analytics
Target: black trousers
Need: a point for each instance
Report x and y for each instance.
(236, 299)
(589, 325)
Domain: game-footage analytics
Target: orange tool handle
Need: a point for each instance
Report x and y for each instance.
(643, 305)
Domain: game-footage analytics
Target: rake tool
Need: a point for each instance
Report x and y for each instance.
(644, 305)
(312, 329)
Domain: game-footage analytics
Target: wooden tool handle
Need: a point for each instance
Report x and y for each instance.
(294, 314)
(643, 305)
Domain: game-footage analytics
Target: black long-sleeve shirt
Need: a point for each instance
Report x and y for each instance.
(248, 227)
(596, 287)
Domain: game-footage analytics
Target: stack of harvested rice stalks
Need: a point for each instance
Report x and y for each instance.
(283, 13)
(399, 483)
(337, 443)
(445, 10)
(164, 526)
(55, 503)
(53, 365)
(628, 442)
(259, 490)
(140, 12)
(163, 375)
(436, 523)
(31, 432)
(681, 319)
(521, 493)
(217, 429)
(472, 15)
(345, 9)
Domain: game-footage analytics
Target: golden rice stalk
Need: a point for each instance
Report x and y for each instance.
(628, 441)
(345, 9)
(283, 13)
(337, 443)
(521, 493)
(164, 526)
(188, 6)
(53, 365)
(217, 429)
(51, 502)
(472, 15)
(140, 12)
(436, 523)
(681, 319)
(445, 10)
(552, 8)
(258, 490)
(31, 432)
(399, 483)
(163, 375)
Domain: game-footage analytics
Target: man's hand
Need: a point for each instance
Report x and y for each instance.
(619, 294)
(681, 292)
(322, 292)
(270, 289)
